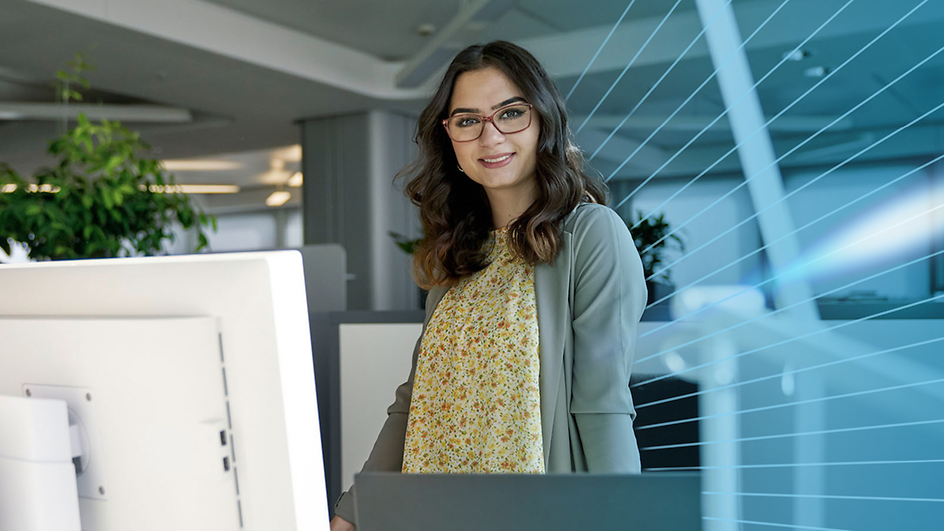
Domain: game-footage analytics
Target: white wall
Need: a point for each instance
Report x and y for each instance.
(293, 229)
(896, 203)
(865, 219)
(246, 231)
(700, 230)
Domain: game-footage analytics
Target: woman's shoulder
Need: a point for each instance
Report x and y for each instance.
(592, 217)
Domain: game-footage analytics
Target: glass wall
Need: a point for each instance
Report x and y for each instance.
(794, 147)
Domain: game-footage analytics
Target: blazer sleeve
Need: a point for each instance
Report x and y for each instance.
(608, 301)
(387, 453)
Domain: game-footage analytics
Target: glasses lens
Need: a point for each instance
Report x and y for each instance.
(510, 119)
(464, 127)
(513, 118)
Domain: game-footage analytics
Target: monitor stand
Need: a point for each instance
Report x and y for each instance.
(38, 487)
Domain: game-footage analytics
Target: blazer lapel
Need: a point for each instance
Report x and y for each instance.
(551, 292)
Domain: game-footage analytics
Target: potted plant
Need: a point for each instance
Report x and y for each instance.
(103, 198)
(408, 245)
(652, 237)
(405, 243)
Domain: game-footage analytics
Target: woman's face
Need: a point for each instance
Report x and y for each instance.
(501, 163)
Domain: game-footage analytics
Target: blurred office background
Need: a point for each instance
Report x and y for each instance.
(793, 145)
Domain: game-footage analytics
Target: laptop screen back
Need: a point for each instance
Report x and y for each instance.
(460, 502)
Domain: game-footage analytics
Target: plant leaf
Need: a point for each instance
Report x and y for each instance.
(113, 162)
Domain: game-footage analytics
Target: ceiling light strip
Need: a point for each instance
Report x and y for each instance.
(278, 198)
(192, 188)
(201, 165)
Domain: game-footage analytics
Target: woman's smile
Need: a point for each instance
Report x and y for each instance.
(496, 161)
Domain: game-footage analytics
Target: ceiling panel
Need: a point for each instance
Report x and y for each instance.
(241, 107)
(385, 29)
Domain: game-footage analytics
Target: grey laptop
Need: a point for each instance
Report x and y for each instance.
(495, 502)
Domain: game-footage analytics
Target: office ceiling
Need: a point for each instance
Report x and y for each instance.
(267, 65)
(389, 29)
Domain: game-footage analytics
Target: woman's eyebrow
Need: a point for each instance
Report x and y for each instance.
(465, 110)
(509, 101)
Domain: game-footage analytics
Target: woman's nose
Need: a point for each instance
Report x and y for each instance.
(491, 136)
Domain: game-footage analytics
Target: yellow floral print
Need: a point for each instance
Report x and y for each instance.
(476, 405)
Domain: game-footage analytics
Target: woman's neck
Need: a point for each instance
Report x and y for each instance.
(509, 205)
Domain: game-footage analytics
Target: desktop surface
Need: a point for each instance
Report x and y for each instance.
(466, 502)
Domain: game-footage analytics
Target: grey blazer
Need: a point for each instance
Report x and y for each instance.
(589, 301)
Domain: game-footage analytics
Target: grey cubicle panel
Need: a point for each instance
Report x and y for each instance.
(327, 357)
(325, 277)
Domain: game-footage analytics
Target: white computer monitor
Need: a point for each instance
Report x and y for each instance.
(192, 380)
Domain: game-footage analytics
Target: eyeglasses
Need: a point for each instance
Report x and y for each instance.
(508, 120)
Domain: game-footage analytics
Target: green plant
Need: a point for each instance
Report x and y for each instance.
(651, 241)
(103, 198)
(404, 243)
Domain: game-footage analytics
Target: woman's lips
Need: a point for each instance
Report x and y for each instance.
(496, 161)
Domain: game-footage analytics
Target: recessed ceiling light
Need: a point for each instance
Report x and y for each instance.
(31, 189)
(201, 165)
(425, 30)
(797, 55)
(194, 189)
(290, 153)
(278, 198)
(275, 177)
(209, 188)
(296, 180)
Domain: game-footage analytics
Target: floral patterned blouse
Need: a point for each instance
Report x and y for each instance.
(476, 405)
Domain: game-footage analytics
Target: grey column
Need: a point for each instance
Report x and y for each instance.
(937, 232)
(756, 151)
(759, 163)
(349, 163)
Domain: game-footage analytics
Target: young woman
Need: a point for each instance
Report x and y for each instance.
(535, 287)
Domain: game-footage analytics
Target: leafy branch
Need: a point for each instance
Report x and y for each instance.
(650, 231)
(405, 244)
(102, 198)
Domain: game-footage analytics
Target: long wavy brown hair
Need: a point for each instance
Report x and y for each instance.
(454, 210)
